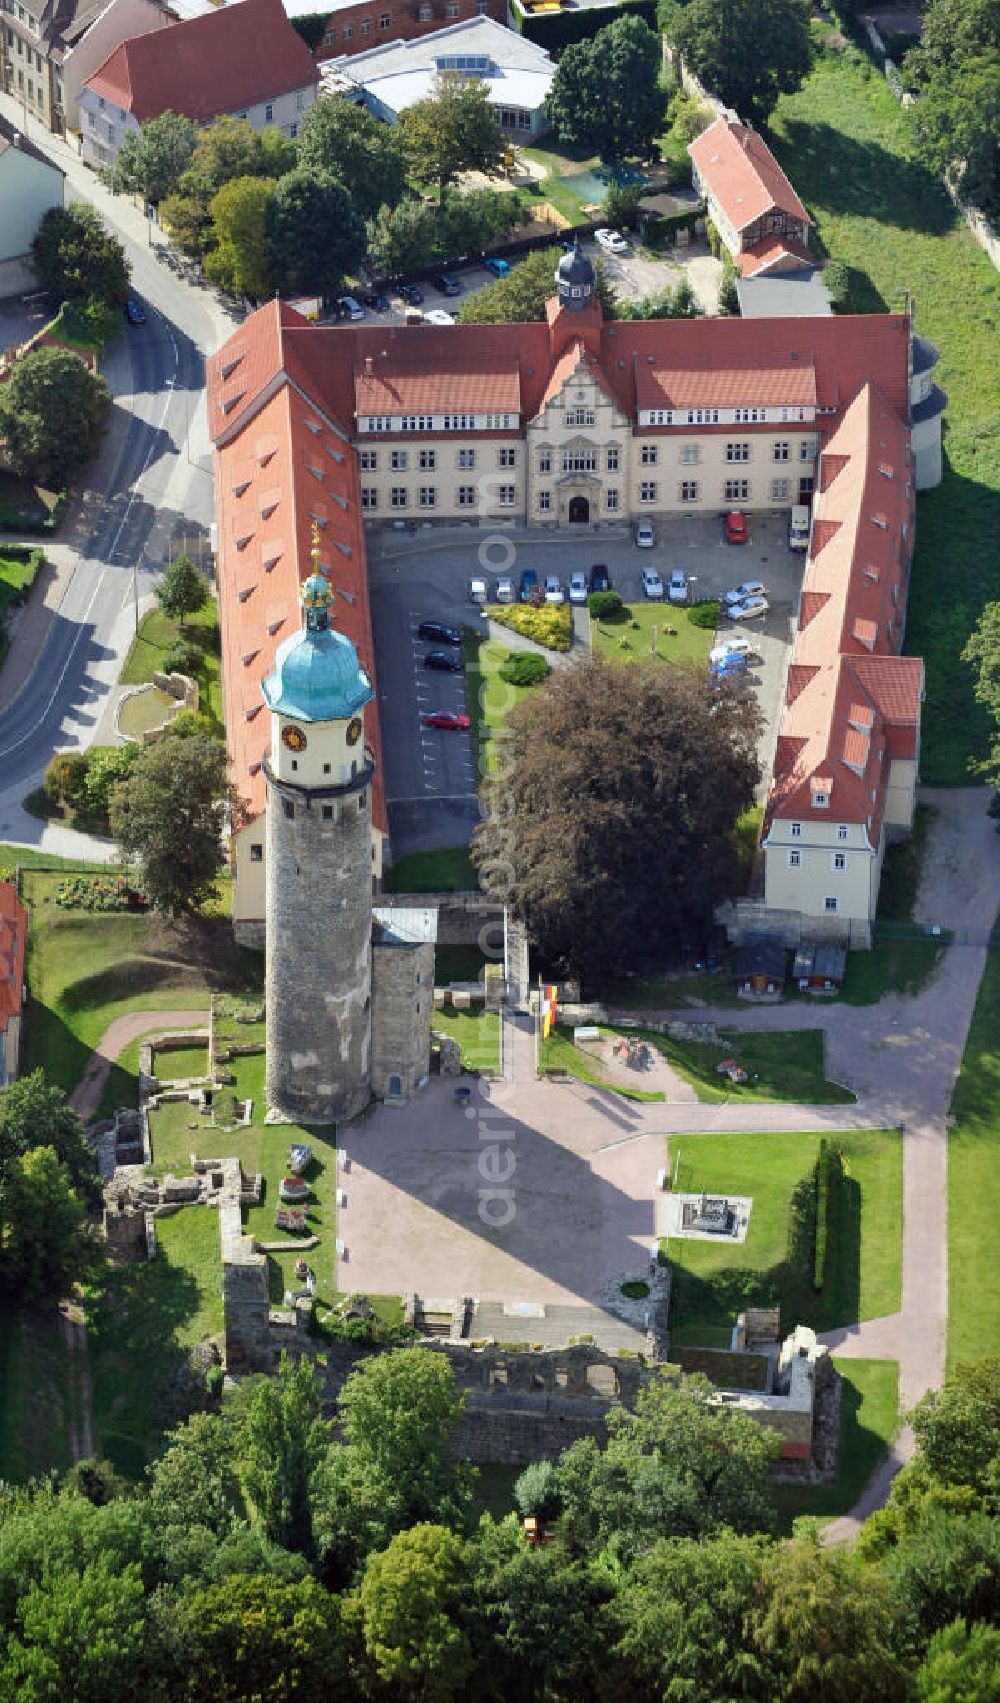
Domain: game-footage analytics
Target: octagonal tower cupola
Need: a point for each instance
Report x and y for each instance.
(575, 280)
(316, 695)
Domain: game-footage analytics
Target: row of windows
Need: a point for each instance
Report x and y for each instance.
(466, 497)
(612, 501)
(720, 416)
(438, 423)
(425, 14)
(733, 491)
(795, 828)
(838, 861)
(427, 460)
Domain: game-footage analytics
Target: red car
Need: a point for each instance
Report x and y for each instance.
(736, 527)
(447, 718)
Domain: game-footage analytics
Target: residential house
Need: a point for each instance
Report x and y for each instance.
(29, 186)
(393, 76)
(244, 59)
(750, 200)
(94, 34)
(13, 943)
(355, 25)
(32, 48)
(566, 422)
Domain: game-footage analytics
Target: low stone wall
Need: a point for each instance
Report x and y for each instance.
(179, 686)
(750, 917)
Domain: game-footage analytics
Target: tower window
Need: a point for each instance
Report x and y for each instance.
(289, 809)
(256, 854)
(294, 763)
(326, 768)
(328, 812)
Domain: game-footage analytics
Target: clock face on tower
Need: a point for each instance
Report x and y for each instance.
(354, 731)
(294, 738)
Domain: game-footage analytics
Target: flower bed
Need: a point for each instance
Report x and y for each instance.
(99, 893)
(549, 624)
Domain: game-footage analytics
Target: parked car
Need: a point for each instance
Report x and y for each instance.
(445, 285)
(377, 301)
(479, 591)
(728, 666)
(600, 579)
(612, 241)
(737, 644)
(736, 527)
(347, 307)
(444, 661)
(411, 294)
(578, 588)
(438, 316)
(505, 592)
(439, 632)
(677, 587)
(739, 593)
(652, 585)
(749, 609)
(529, 584)
(498, 267)
(645, 534)
(554, 589)
(447, 719)
(135, 313)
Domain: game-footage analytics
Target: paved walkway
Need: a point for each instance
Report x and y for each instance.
(902, 1057)
(86, 1096)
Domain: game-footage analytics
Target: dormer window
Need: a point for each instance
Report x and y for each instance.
(821, 800)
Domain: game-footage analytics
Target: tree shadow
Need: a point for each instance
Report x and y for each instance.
(844, 174)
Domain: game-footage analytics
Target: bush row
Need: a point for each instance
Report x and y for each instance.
(99, 893)
(828, 1166)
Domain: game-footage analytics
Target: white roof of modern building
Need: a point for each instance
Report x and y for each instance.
(789, 295)
(400, 73)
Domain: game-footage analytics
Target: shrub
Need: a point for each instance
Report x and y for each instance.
(99, 893)
(215, 1377)
(635, 1290)
(838, 281)
(537, 1491)
(106, 766)
(705, 615)
(183, 657)
(66, 777)
(605, 605)
(550, 625)
(524, 668)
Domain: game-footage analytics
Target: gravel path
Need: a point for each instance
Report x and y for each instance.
(86, 1096)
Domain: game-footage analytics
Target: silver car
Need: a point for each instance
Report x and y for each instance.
(677, 587)
(749, 609)
(578, 588)
(505, 592)
(652, 585)
(553, 589)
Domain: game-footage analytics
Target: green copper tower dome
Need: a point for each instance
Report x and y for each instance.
(317, 675)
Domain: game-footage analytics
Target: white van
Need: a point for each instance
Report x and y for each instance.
(798, 530)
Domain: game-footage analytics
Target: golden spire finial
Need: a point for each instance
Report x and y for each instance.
(314, 553)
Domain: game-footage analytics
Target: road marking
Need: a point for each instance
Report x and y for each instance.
(55, 693)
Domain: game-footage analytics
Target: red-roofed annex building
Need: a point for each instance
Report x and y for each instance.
(244, 59)
(13, 943)
(567, 421)
(750, 200)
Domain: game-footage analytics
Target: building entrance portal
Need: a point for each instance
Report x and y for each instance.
(579, 511)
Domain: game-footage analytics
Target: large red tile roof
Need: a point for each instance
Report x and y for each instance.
(13, 943)
(231, 57)
(743, 174)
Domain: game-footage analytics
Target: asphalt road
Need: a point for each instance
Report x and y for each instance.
(148, 494)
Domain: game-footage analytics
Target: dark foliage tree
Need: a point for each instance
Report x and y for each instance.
(78, 259)
(948, 1567)
(535, 1631)
(822, 1626)
(452, 130)
(283, 1440)
(151, 160)
(315, 233)
(169, 818)
(958, 1431)
(364, 154)
(44, 1246)
(955, 71)
(607, 92)
(609, 821)
(52, 409)
(746, 51)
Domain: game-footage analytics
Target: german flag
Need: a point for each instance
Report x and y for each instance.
(549, 1012)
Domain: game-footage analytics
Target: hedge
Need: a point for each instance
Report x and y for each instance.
(827, 1165)
(556, 30)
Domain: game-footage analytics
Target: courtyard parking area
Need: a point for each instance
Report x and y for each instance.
(431, 775)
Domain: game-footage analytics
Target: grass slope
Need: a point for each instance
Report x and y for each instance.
(869, 1418)
(847, 146)
(974, 1184)
(712, 1282)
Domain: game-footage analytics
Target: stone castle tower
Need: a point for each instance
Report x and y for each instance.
(319, 873)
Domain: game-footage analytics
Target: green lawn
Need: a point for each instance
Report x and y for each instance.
(34, 1394)
(489, 698)
(672, 992)
(783, 1064)
(85, 969)
(175, 1064)
(477, 1033)
(869, 1419)
(458, 964)
(18, 571)
(903, 958)
(974, 1183)
(630, 638)
(157, 633)
(847, 146)
(558, 167)
(712, 1281)
(447, 871)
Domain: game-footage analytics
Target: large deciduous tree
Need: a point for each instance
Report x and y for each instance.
(44, 1248)
(34, 1113)
(78, 259)
(315, 232)
(262, 1638)
(398, 1411)
(610, 817)
(452, 130)
(170, 818)
(282, 1442)
(240, 260)
(955, 71)
(822, 1626)
(151, 160)
(522, 295)
(366, 155)
(52, 409)
(746, 51)
(607, 92)
(410, 1597)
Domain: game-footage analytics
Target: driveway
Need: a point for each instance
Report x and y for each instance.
(635, 275)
